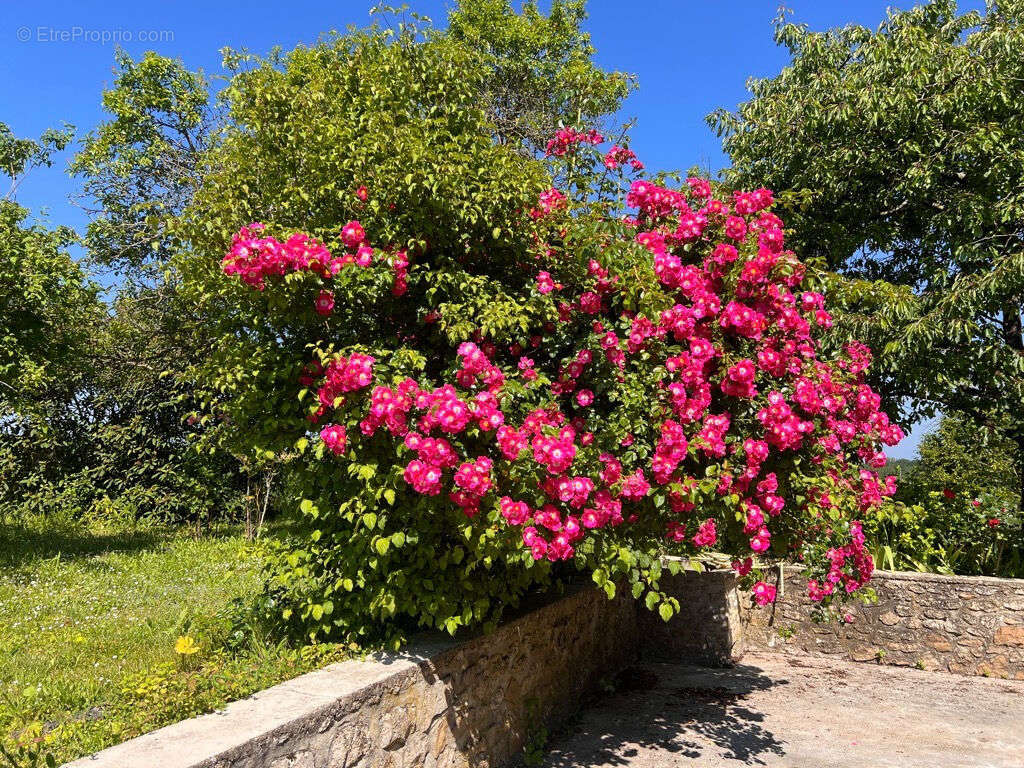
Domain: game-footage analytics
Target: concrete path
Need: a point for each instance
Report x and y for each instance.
(796, 712)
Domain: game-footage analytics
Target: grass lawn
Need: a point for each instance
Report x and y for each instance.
(89, 621)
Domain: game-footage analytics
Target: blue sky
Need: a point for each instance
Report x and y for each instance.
(690, 57)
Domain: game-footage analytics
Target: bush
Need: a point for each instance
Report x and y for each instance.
(961, 458)
(491, 383)
(961, 501)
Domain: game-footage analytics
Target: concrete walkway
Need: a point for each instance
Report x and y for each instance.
(796, 712)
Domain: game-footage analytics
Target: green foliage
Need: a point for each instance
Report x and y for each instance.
(18, 156)
(903, 539)
(27, 757)
(959, 506)
(965, 460)
(903, 148)
(45, 302)
(94, 398)
(539, 69)
(47, 312)
(388, 128)
(91, 414)
(139, 167)
(403, 117)
(92, 426)
(535, 744)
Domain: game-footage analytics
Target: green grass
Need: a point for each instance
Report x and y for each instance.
(73, 623)
(88, 625)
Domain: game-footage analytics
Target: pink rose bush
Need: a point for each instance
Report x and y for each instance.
(665, 389)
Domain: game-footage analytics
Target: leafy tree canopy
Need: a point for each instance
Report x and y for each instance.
(140, 166)
(957, 459)
(45, 299)
(17, 156)
(541, 71)
(903, 148)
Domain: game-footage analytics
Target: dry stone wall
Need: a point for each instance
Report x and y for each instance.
(440, 705)
(970, 625)
(477, 702)
(708, 628)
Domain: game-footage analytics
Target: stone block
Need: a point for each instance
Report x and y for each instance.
(861, 653)
(1010, 635)
(997, 666)
(938, 643)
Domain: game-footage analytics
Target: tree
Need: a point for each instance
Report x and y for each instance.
(962, 497)
(45, 299)
(46, 304)
(19, 156)
(90, 420)
(540, 69)
(389, 130)
(903, 149)
(140, 166)
(957, 458)
(48, 309)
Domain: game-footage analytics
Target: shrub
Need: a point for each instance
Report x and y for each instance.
(971, 462)
(492, 383)
(957, 506)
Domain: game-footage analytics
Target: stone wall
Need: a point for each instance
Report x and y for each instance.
(441, 704)
(708, 628)
(447, 704)
(970, 625)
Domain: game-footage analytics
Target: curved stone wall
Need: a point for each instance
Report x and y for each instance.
(478, 701)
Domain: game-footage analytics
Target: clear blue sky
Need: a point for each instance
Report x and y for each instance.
(691, 56)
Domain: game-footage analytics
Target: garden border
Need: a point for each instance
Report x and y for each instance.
(480, 701)
(442, 702)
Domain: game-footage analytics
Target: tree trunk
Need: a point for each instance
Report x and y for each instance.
(248, 508)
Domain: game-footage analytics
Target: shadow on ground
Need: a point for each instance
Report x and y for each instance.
(678, 711)
(21, 545)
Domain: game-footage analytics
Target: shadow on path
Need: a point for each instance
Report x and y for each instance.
(676, 711)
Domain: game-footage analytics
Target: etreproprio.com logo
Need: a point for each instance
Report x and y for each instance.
(104, 36)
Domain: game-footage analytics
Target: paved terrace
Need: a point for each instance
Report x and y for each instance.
(796, 712)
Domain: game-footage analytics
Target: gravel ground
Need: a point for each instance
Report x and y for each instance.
(796, 712)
